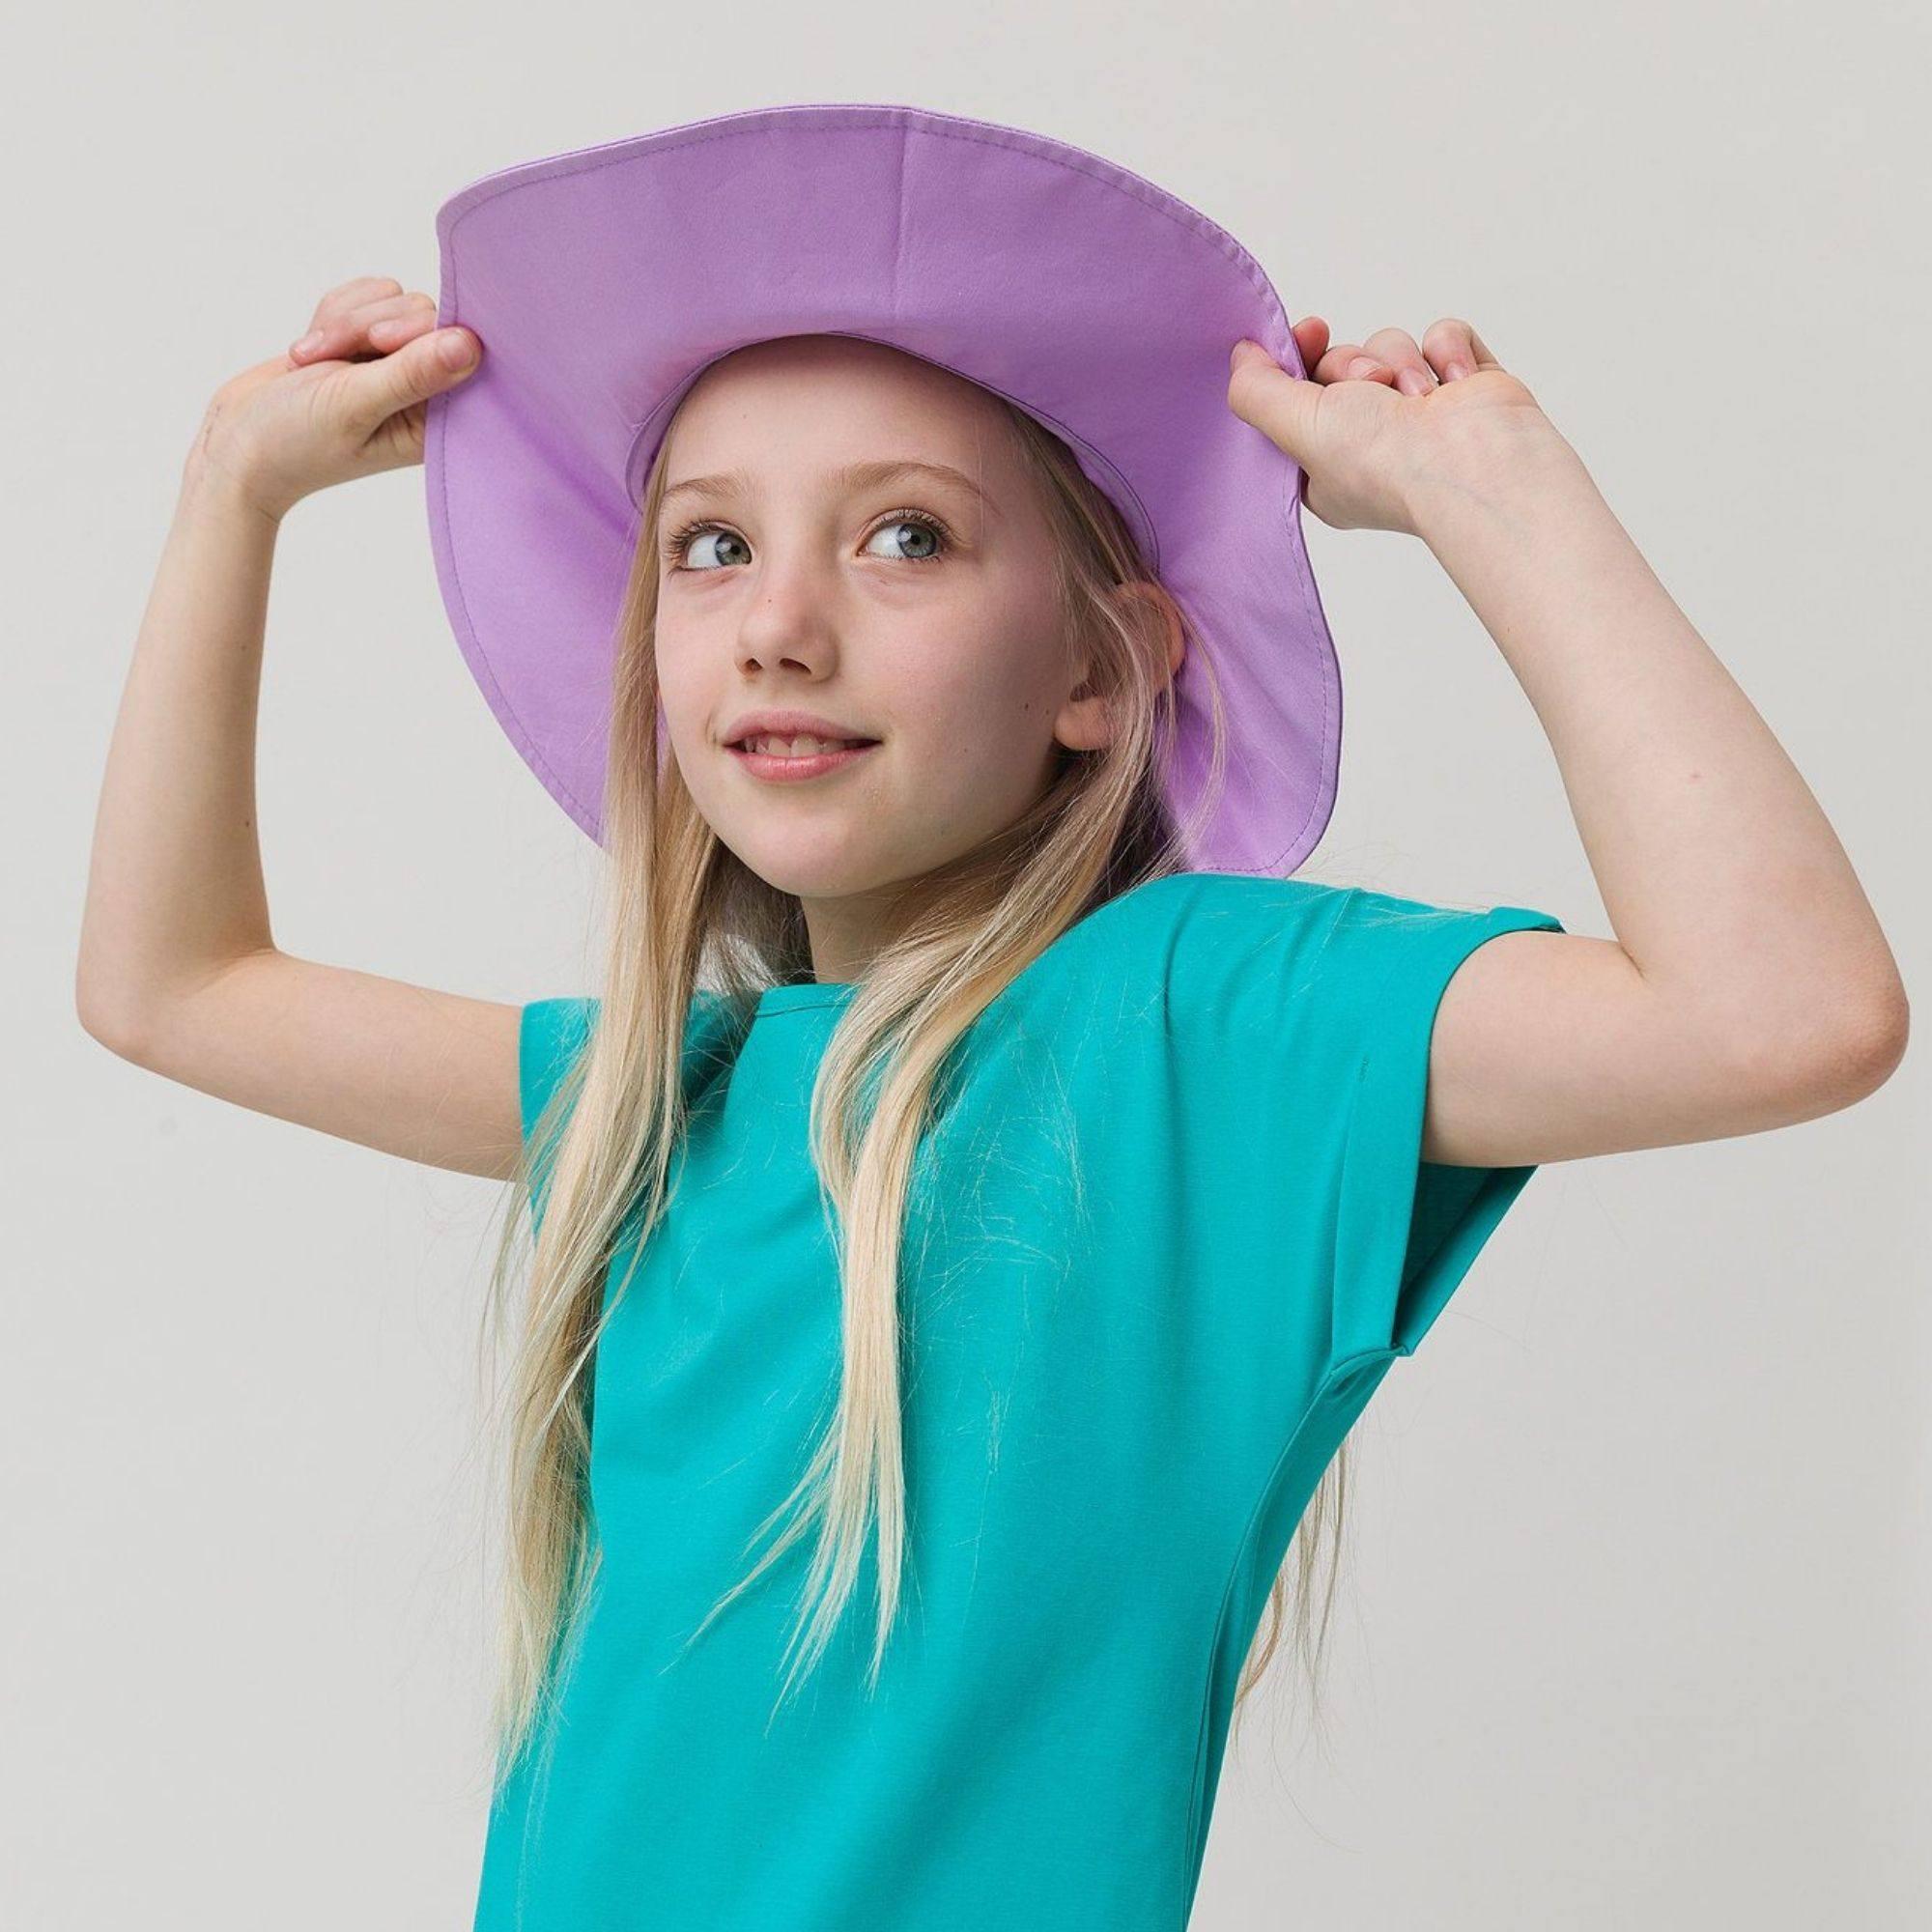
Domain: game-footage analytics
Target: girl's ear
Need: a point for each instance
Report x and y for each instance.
(1168, 612)
(1084, 723)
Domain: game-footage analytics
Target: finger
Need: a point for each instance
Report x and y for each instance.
(1399, 353)
(1278, 403)
(415, 372)
(1456, 349)
(328, 324)
(1394, 346)
(390, 324)
(1311, 337)
(1484, 358)
(346, 295)
(372, 328)
(1350, 361)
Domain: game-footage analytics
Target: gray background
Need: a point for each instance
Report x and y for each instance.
(1633, 1624)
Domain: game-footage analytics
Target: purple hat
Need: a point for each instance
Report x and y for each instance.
(603, 282)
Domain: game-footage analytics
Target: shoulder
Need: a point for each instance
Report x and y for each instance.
(1248, 952)
(555, 1033)
(1182, 918)
(1220, 936)
(553, 1030)
(1214, 906)
(549, 1036)
(1208, 908)
(564, 1024)
(1146, 961)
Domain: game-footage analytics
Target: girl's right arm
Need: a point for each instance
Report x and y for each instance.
(178, 968)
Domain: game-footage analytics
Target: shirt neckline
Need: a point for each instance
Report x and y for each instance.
(801, 996)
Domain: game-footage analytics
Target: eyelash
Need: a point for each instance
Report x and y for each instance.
(674, 544)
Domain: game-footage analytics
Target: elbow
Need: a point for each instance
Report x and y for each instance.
(107, 1021)
(108, 1030)
(1872, 1051)
(1818, 1068)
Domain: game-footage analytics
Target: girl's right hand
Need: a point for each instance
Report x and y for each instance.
(347, 400)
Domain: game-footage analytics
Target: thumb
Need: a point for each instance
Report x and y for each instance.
(417, 371)
(1280, 404)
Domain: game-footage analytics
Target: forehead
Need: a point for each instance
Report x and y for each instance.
(822, 408)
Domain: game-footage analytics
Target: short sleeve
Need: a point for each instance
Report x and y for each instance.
(1407, 1230)
(552, 1032)
(1305, 1011)
(549, 1036)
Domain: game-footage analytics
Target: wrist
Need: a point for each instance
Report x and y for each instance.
(208, 489)
(1491, 472)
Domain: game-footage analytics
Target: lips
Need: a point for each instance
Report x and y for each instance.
(789, 720)
(765, 740)
(785, 767)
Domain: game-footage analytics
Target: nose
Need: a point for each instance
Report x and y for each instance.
(790, 617)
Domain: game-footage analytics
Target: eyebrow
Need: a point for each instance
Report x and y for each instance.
(853, 476)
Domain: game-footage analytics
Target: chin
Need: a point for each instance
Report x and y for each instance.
(816, 874)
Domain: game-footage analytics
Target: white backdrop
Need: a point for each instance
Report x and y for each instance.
(1634, 1622)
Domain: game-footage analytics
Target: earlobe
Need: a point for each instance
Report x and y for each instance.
(1083, 725)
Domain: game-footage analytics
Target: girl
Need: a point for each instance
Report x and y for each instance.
(965, 1231)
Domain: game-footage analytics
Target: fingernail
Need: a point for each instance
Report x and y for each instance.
(1364, 365)
(455, 350)
(1451, 370)
(310, 342)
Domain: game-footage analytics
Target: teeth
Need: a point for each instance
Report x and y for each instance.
(796, 748)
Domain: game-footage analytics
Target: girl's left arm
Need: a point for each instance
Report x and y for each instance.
(1759, 988)
(1748, 985)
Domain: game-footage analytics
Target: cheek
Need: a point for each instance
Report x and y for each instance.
(992, 689)
(681, 689)
(687, 709)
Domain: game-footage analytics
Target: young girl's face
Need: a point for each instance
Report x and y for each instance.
(915, 608)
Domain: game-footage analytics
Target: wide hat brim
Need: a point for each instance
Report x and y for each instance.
(604, 281)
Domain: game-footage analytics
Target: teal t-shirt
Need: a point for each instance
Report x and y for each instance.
(1167, 1235)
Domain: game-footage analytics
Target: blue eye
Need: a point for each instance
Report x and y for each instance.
(701, 530)
(926, 527)
(931, 530)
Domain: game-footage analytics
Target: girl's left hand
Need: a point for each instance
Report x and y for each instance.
(1374, 421)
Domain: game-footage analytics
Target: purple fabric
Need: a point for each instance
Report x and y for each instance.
(601, 282)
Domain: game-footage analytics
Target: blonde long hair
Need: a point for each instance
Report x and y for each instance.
(599, 1159)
